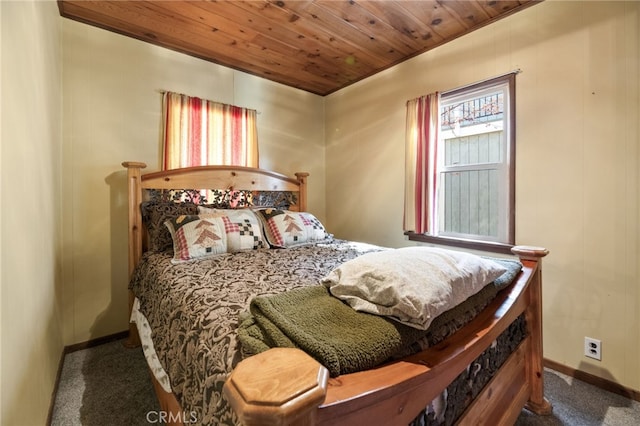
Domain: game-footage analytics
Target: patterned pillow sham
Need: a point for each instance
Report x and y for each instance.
(239, 218)
(203, 236)
(155, 213)
(284, 228)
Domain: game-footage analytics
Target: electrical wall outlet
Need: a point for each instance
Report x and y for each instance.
(593, 348)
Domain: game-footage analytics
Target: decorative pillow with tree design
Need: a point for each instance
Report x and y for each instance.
(199, 237)
(284, 228)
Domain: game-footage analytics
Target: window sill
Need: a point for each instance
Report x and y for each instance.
(459, 242)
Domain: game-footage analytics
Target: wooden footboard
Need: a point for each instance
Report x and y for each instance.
(395, 393)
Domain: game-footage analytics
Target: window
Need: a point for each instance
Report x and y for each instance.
(473, 160)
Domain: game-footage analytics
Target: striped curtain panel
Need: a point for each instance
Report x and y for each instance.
(420, 155)
(199, 132)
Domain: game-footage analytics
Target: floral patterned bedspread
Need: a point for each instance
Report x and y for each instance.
(197, 304)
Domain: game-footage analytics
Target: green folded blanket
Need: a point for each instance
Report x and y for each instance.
(331, 331)
(325, 328)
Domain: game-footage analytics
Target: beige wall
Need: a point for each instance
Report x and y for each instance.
(30, 254)
(111, 114)
(578, 154)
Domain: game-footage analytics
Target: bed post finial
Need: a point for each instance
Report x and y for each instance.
(134, 176)
(288, 391)
(530, 252)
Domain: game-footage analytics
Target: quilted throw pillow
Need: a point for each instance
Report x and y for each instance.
(198, 237)
(283, 228)
(242, 227)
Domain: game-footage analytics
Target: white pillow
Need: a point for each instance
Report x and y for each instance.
(412, 285)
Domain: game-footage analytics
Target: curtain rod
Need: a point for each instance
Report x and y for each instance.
(444, 92)
(162, 92)
(516, 71)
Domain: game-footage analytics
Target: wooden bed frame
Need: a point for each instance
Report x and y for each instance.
(286, 386)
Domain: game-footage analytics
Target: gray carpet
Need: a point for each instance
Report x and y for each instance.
(104, 385)
(109, 385)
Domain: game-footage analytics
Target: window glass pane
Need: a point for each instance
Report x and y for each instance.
(472, 128)
(473, 149)
(471, 201)
(473, 111)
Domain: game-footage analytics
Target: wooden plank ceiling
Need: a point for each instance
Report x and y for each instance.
(319, 46)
